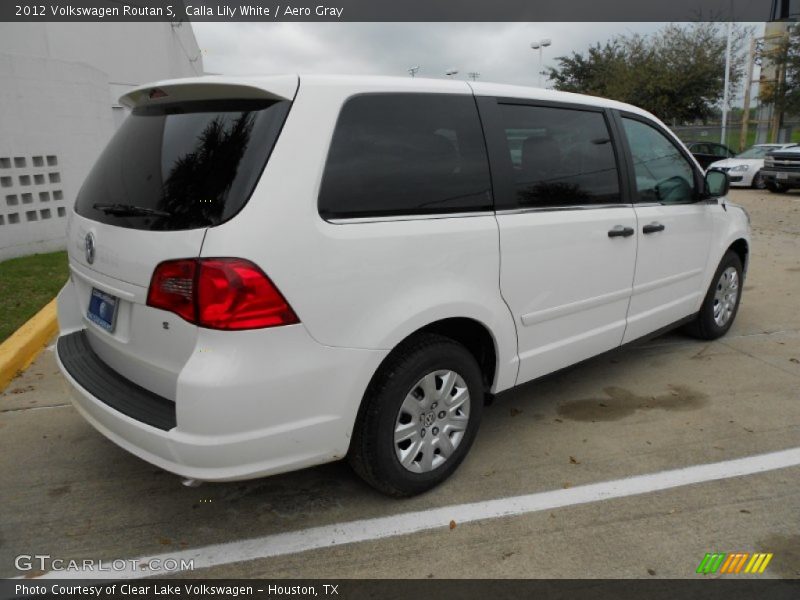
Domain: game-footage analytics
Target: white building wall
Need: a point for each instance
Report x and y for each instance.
(54, 121)
(59, 86)
(129, 53)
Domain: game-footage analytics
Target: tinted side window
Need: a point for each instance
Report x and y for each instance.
(401, 154)
(560, 157)
(662, 173)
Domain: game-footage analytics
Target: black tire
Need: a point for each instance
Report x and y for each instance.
(372, 450)
(776, 188)
(758, 182)
(704, 326)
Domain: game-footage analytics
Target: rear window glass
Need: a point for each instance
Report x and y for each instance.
(182, 166)
(406, 154)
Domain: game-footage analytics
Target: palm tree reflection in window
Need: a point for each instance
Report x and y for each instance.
(197, 187)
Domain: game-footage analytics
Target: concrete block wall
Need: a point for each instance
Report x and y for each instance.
(54, 122)
(59, 85)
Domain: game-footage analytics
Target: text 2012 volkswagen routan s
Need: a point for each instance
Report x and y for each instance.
(271, 273)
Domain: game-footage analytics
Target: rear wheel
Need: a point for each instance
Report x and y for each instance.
(722, 300)
(419, 418)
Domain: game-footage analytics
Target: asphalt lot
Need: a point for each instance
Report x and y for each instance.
(669, 403)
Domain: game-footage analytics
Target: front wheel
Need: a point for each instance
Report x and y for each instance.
(758, 181)
(776, 188)
(722, 300)
(419, 417)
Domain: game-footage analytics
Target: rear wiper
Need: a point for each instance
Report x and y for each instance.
(129, 210)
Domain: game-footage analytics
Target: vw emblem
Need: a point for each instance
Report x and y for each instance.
(88, 245)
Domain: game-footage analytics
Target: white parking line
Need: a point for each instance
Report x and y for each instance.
(405, 523)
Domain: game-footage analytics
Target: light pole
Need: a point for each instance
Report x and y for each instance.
(540, 45)
(725, 94)
(473, 75)
(413, 71)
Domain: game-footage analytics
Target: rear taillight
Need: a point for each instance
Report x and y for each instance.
(233, 293)
(172, 288)
(219, 293)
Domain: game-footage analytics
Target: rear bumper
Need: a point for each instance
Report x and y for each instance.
(279, 411)
(103, 383)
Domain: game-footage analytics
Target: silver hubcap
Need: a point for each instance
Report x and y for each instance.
(725, 296)
(432, 421)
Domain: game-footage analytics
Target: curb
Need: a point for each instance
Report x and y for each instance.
(25, 344)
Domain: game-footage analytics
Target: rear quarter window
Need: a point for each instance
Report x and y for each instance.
(406, 154)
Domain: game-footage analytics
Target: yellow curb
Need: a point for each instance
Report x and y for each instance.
(24, 345)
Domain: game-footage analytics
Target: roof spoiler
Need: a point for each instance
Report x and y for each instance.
(282, 87)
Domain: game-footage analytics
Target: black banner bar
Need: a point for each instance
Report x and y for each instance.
(248, 589)
(393, 10)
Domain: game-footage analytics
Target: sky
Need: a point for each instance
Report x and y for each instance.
(500, 52)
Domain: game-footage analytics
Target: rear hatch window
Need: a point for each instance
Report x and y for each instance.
(184, 165)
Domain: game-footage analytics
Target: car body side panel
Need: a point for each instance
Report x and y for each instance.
(731, 223)
(567, 282)
(670, 266)
(364, 283)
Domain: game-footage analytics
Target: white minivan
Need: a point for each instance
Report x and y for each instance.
(272, 273)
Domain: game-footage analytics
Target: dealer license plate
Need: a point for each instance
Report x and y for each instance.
(102, 309)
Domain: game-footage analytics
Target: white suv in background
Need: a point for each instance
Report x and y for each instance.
(272, 273)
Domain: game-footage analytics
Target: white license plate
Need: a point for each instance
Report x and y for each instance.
(782, 176)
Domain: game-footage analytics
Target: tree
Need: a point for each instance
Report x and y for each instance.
(784, 93)
(676, 73)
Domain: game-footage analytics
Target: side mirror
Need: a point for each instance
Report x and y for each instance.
(717, 184)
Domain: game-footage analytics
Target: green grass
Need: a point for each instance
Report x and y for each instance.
(733, 139)
(26, 285)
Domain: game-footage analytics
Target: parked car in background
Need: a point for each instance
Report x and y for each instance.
(272, 273)
(744, 169)
(708, 152)
(781, 171)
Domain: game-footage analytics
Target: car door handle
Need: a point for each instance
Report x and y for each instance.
(653, 228)
(620, 231)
